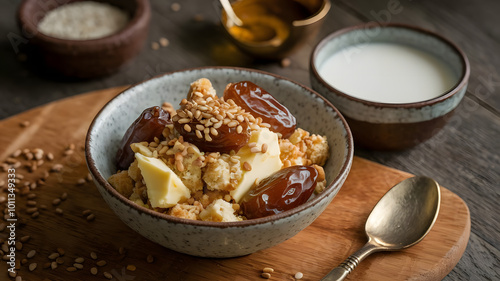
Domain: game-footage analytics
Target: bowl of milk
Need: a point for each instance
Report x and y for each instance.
(396, 85)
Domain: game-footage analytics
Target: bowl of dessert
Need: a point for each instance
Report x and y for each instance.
(218, 162)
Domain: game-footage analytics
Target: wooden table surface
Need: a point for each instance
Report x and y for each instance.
(464, 156)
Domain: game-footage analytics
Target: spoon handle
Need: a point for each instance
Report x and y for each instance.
(349, 264)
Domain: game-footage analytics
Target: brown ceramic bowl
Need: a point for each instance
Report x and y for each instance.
(300, 31)
(84, 58)
(392, 126)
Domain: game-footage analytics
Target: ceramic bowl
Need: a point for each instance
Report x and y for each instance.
(84, 58)
(216, 239)
(301, 32)
(386, 126)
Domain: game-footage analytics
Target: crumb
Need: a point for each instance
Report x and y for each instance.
(122, 183)
(155, 45)
(164, 42)
(219, 211)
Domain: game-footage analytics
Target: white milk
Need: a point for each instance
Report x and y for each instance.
(387, 73)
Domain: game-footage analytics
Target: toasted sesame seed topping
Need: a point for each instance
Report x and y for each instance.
(101, 263)
(93, 255)
(131, 267)
(32, 266)
(31, 254)
(90, 217)
(78, 265)
(264, 148)
(94, 270)
(79, 260)
(255, 150)
(71, 269)
(247, 166)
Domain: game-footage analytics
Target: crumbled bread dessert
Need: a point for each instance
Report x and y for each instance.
(213, 179)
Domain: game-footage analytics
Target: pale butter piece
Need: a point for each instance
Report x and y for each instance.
(220, 211)
(165, 188)
(263, 164)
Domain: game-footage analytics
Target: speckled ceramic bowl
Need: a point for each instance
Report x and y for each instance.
(212, 239)
(387, 126)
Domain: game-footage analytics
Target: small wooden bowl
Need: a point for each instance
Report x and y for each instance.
(392, 126)
(84, 58)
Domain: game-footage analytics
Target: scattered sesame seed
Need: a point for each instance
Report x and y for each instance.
(31, 254)
(80, 181)
(53, 265)
(46, 265)
(53, 256)
(255, 150)
(90, 217)
(64, 196)
(78, 265)
(155, 45)
(25, 238)
(286, 62)
(268, 270)
(61, 251)
(60, 260)
(101, 263)
(71, 269)
(86, 212)
(247, 166)
(121, 251)
(266, 275)
(131, 267)
(175, 7)
(299, 275)
(108, 275)
(150, 259)
(93, 255)
(164, 42)
(79, 260)
(93, 270)
(59, 211)
(32, 266)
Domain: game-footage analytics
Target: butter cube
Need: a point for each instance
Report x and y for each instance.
(262, 164)
(165, 188)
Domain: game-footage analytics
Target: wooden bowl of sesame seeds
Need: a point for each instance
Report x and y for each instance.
(82, 39)
(216, 239)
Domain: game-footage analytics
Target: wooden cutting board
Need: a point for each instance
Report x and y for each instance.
(336, 234)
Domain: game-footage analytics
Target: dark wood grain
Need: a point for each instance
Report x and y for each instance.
(464, 156)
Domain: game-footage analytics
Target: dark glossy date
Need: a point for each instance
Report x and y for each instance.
(146, 127)
(227, 138)
(261, 104)
(282, 191)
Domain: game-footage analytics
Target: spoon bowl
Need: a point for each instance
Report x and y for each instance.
(401, 219)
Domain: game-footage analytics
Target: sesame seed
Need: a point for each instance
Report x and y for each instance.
(46, 265)
(93, 270)
(121, 250)
(59, 211)
(150, 259)
(187, 128)
(175, 7)
(71, 269)
(108, 275)
(60, 260)
(232, 124)
(78, 265)
(93, 255)
(32, 266)
(285, 62)
(264, 148)
(198, 134)
(299, 275)
(19, 245)
(101, 263)
(31, 254)
(131, 267)
(179, 166)
(265, 275)
(86, 212)
(31, 203)
(80, 181)
(200, 127)
(254, 149)
(25, 238)
(252, 144)
(247, 166)
(239, 129)
(184, 120)
(79, 260)
(31, 210)
(155, 46)
(53, 265)
(208, 137)
(268, 270)
(90, 217)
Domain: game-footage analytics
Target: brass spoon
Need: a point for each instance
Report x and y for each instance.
(265, 35)
(401, 219)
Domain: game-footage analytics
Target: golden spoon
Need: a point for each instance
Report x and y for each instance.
(401, 219)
